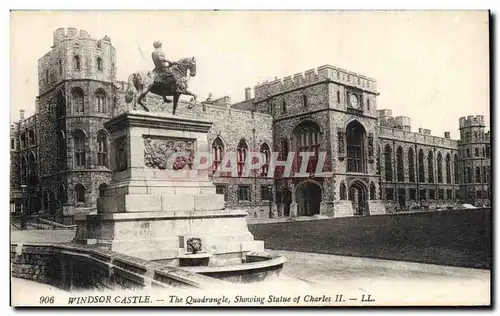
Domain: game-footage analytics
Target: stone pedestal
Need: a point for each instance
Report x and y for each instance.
(343, 209)
(376, 207)
(159, 206)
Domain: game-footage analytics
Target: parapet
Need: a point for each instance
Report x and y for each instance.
(71, 33)
(311, 76)
(471, 121)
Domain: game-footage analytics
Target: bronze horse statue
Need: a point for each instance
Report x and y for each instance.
(174, 84)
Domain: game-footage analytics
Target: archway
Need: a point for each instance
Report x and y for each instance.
(308, 196)
(358, 194)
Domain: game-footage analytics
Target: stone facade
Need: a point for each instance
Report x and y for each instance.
(78, 93)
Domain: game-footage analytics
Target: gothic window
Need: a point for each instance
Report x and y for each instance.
(76, 62)
(448, 168)
(241, 152)
(476, 151)
(100, 100)
(430, 166)
(484, 155)
(440, 168)
(449, 194)
(264, 149)
(411, 165)
(355, 138)
(307, 138)
(244, 193)
(468, 153)
(217, 153)
(343, 191)
(455, 168)
(77, 100)
(102, 149)
(372, 191)
(421, 167)
(478, 175)
(79, 144)
(469, 174)
(80, 193)
(388, 162)
(400, 164)
(99, 63)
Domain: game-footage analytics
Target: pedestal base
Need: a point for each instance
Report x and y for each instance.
(343, 209)
(376, 208)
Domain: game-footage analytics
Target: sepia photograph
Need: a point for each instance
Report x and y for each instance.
(195, 158)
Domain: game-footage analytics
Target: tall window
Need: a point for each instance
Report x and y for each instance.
(484, 155)
(80, 193)
(448, 168)
(372, 191)
(99, 63)
(400, 166)
(77, 100)
(478, 175)
(343, 191)
(304, 101)
(338, 97)
(217, 153)
(440, 167)
(455, 168)
(368, 104)
(355, 138)
(469, 174)
(411, 165)
(388, 162)
(102, 189)
(242, 151)
(79, 142)
(61, 147)
(76, 62)
(476, 152)
(485, 175)
(308, 140)
(487, 151)
(100, 100)
(468, 153)
(244, 193)
(430, 166)
(59, 63)
(264, 149)
(102, 149)
(283, 107)
(421, 166)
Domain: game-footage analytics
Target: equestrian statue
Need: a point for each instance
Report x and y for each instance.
(169, 78)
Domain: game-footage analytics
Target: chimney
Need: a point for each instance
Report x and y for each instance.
(21, 114)
(446, 134)
(248, 94)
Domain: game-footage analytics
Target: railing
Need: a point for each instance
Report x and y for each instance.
(37, 222)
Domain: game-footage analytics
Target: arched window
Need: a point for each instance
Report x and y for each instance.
(102, 149)
(469, 174)
(411, 165)
(283, 107)
(242, 151)
(476, 152)
(421, 167)
(99, 63)
(448, 168)
(440, 167)
(264, 149)
(102, 189)
(355, 138)
(343, 191)
(79, 193)
(307, 138)
(478, 175)
(468, 153)
(79, 143)
(430, 166)
(100, 101)
(77, 100)
(76, 62)
(388, 162)
(217, 153)
(455, 169)
(372, 191)
(400, 164)
(484, 154)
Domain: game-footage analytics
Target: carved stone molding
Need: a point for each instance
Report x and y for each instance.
(168, 153)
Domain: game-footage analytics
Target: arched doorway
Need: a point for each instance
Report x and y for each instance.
(358, 194)
(308, 197)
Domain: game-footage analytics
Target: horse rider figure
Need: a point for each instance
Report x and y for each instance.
(162, 64)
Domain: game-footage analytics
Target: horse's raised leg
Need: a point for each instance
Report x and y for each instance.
(142, 94)
(176, 99)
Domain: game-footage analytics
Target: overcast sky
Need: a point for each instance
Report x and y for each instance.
(431, 66)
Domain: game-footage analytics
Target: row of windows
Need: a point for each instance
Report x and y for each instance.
(305, 103)
(80, 144)
(412, 193)
(77, 65)
(245, 192)
(78, 103)
(26, 140)
(344, 196)
(480, 177)
(485, 152)
(400, 172)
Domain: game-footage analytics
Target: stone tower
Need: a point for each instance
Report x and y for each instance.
(475, 159)
(76, 96)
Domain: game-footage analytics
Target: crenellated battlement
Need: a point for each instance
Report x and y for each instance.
(471, 121)
(312, 76)
(71, 33)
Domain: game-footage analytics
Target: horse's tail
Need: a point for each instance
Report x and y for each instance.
(129, 94)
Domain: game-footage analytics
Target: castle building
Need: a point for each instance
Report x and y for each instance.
(363, 160)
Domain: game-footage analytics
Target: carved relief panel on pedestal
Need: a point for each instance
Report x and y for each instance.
(168, 153)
